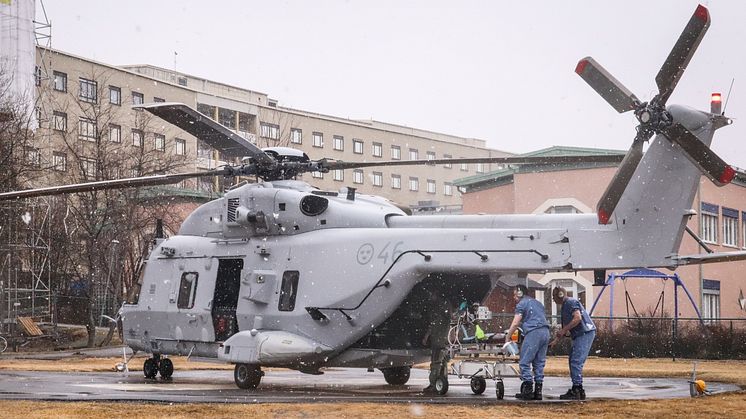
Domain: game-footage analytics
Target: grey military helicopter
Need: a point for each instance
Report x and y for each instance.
(281, 274)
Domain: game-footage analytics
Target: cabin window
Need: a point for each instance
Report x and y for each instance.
(289, 290)
(187, 290)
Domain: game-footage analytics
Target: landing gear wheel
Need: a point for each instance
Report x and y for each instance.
(478, 385)
(500, 390)
(150, 368)
(441, 385)
(247, 376)
(166, 368)
(396, 376)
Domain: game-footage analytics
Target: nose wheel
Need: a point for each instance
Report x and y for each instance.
(155, 365)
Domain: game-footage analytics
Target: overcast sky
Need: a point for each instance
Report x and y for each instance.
(495, 70)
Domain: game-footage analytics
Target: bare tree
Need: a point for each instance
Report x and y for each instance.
(103, 229)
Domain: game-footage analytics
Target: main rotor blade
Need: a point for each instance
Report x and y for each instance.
(619, 182)
(717, 170)
(682, 52)
(611, 89)
(212, 133)
(111, 184)
(596, 158)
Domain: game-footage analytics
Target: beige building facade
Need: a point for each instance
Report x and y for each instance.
(71, 88)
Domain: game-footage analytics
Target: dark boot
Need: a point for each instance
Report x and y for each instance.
(527, 392)
(537, 390)
(575, 393)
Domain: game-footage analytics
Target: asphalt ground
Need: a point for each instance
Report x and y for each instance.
(335, 385)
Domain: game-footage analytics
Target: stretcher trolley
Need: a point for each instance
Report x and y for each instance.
(482, 357)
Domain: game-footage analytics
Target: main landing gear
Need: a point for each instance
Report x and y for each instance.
(247, 376)
(157, 365)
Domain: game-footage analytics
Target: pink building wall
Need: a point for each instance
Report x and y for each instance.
(529, 191)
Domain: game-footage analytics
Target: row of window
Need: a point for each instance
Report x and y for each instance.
(60, 163)
(88, 130)
(395, 181)
(709, 230)
(358, 146)
(88, 90)
(237, 121)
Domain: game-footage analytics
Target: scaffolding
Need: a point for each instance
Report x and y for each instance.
(25, 277)
(25, 226)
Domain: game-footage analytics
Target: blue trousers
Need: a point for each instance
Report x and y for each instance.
(581, 346)
(534, 353)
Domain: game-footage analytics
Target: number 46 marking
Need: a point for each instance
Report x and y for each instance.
(384, 254)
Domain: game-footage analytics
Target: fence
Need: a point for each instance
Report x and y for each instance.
(654, 337)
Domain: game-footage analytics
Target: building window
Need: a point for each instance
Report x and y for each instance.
(182, 81)
(87, 129)
(59, 120)
(115, 95)
(137, 136)
(317, 175)
(480, 167)
(414, 184)
(464, 167)
(448, 189)
(137, 98)
(338, 175)
(180, 147)
(88, 167)
(447, 165)
(431, 186)
(244, 122)
(395, 181)
(37, 69)
(88, 90)
(115, 133)
(377, 179)
(227, 118)
(357, 176)
(59, 161)
(710, 300)
(339, 143)
(33, 157)
(357, 146)
(395, 152)
(60, 81)
(413, 154)
(271, 131)
(159, 100)
(207, 110)
(377, 150)
(709, 227)
(159, 142)
(730, 227)
(562, 209)
(431, 155)
(296, 136)
(318, 139)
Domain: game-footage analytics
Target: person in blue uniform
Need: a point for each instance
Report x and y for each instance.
(529, 313)
(578, 323)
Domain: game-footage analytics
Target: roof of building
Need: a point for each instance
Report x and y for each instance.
(505, 175)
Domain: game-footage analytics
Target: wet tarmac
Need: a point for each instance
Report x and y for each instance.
(335, 385)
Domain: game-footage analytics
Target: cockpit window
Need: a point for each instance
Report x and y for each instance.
(187, 290)
(289, 290)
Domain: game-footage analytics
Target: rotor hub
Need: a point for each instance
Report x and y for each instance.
(654, 119)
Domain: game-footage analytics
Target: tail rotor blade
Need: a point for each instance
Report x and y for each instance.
(611, 89)
(618, 184)
(682, 52)
(717, 170)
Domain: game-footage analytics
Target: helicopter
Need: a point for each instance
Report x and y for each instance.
(278, 273)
